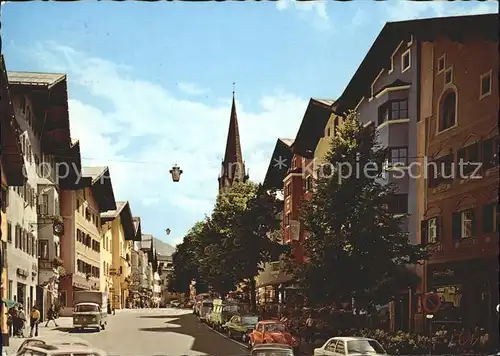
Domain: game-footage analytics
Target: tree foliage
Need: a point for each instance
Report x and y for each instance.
(230, 246)
(356, 247)
(186, 264)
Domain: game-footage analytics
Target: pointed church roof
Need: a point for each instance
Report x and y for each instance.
(233, 146)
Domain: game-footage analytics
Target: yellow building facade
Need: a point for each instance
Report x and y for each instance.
(11, 166)
(118, 225)
(324, 143)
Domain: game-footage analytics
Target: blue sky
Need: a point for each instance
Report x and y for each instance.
(150, 83)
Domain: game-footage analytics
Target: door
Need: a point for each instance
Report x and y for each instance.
(258, 334)
(40, 303)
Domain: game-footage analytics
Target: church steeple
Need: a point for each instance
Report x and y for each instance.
(233, 166)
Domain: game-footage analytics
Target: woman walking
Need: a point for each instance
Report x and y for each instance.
(51, 316)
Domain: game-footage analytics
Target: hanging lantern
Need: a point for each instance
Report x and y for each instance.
(168, 231)
(176, 173)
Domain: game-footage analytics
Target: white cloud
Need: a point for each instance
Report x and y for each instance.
(158, 129)
(315, 11)
(191, 88)
(409, 10)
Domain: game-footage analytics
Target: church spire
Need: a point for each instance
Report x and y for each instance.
(233, 166)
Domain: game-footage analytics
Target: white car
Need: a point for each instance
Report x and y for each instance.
(56, 341)
(352, 346)
(60, 350)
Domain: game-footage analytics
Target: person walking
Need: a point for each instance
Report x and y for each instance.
(21, 320)
(34, 321)
(310, 329)
(51, 316)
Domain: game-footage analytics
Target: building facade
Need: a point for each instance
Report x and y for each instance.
(120, 223)
(272, 281)
(459, 211)
(81, 242)
(11, 166)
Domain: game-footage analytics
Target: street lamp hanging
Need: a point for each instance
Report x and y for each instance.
(176, 173)
(168, 231)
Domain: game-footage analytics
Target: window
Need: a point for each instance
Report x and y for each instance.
(468, 158)
(485, 82)
(463, 224)
(43, 205)
(309, 183)
(490, 218)
(441, 63)
(448, 76)
(43, 249)
(9, 232)
(430, 230)
(490, 152)
(440, 171)
(405, 61)
(448, 113)
(335, 126)
(398, 156)
(398, 203)
(327, 131)
(393, 110)
(340, 349)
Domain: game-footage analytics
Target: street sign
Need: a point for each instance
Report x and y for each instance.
(431, 302)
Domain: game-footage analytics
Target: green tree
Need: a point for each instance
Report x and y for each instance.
(356, 247)
(186, 263)
(236, 241)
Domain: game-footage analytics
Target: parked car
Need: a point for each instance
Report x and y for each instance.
(222, 311)
(205, 307)
(272, 350)
(271, 332)
(352, 346)
(57, 341)
(240, 326)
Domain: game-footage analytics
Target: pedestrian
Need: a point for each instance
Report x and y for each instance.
(34, 321)
(20, 321)
(310, 329)
(51, 316)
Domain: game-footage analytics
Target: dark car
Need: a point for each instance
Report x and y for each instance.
(272, 350)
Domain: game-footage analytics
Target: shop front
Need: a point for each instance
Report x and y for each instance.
(469, 294)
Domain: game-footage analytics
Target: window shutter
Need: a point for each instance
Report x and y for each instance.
(438, 228)
(423, 232)
(473, 212)
(488, 218)
(456, 226)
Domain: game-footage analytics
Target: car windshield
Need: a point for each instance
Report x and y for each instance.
(250, 320)
(364, 347)
(271, 352)
(274, 327)
(86, 308)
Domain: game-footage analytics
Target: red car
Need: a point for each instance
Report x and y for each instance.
(271, 332)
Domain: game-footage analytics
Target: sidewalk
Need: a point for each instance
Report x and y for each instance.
(64, 325)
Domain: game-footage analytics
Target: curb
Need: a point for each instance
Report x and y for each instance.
(225, 336)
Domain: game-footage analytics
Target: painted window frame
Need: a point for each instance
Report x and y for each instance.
(390, 156)
(441, 58)
(406, 53)
(481, 77)
(446, 71)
